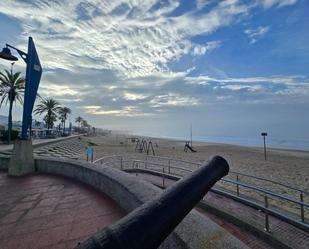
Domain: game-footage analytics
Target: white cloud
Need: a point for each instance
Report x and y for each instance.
(129, 111)
(173, 99)
(133, 96)
(251, 88)
(132, 38)
(58, 90)
(256, 34)
(286, 80)
(202, 49)
(279, 3)
(114, 52)
(200, 4)
(291, 86)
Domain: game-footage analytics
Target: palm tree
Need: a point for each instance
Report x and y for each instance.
(12, 87)
(63, 112)
(79, 121)
(84, 123)
(51, 108)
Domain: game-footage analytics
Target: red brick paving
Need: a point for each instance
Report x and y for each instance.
(45, 211)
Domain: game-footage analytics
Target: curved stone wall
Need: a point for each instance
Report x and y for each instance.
(195, 231)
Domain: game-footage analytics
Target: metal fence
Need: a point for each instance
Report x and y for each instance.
(260, 193)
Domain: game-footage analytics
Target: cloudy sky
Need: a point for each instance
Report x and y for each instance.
(232, 68)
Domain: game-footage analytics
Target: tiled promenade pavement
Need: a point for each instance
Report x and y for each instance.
(45, 211)
(71, 149)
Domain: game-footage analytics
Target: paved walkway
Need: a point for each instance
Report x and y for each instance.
(72, 149)
(44, 141)
(45, 211)
(282, 231)
(64, 147)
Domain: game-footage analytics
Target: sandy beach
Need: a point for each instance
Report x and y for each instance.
(285, 166)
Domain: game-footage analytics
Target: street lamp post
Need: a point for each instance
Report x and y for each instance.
(22, 157)
(264, 134)
(10, 117)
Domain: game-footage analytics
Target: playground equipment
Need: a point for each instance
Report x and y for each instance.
(143, 146)
(187, 146)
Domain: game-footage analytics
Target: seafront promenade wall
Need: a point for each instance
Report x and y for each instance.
(195, 231)
(4, 162)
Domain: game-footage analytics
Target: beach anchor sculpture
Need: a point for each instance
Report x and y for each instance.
(149, 224)
(188, 147)
(143, 146)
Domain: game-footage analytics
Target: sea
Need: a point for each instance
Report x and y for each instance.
(271, 142)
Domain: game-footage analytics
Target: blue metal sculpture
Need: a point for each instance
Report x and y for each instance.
(33, 77)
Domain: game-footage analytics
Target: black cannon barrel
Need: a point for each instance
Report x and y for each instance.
(147, 226)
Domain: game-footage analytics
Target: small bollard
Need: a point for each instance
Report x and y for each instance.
(146, 162)
(121, 162)
(136, 167)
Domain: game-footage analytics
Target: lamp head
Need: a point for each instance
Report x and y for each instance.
(7, 55)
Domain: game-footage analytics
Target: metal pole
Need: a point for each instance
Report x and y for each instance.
(266, 215)
(169, 166)
(302, 211)
(237, 186)
(146, 162)
(163, 178)
(265, 148)
(136, 168)
(10, 120)
(121, 162)
(148, 225)
(191, 133)
(12, 64)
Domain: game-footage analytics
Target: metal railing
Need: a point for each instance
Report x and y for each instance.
(148, 225)
(167, 167)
